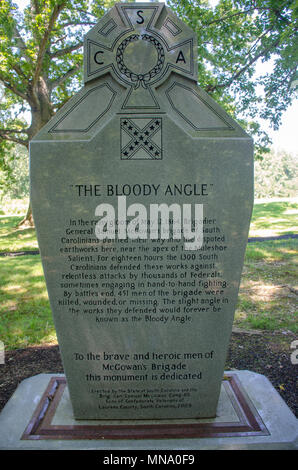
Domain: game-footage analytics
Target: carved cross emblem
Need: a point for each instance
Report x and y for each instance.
(141, 138)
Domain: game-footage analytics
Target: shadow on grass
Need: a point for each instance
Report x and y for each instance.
(9, 222)
(26, 270)
(275, 250)
(275, 215)
(16, 239)
(26, 316)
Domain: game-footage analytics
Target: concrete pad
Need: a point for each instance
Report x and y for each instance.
(277, 427)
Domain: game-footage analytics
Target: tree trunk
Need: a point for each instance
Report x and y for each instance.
(41, 113)
(27, 221)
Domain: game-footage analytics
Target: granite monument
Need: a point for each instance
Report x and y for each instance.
(142, 193)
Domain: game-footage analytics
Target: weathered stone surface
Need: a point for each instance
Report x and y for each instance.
(143, 324)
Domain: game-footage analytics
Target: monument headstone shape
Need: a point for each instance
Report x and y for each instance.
(143, 321)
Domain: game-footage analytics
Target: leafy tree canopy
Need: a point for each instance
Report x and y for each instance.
(233, 38)
(276, 175)
(41, 58)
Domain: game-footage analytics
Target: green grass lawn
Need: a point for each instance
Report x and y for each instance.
(268, 219)
(26, 317)
(274, 218)
(268, 290)
(16, 239)
(267, 298)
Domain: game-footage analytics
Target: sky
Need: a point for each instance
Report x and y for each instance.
(286, 138)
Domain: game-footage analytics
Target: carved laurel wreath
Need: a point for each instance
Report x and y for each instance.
(146, 77)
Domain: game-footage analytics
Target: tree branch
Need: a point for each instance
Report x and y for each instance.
(42, 49)
(258, 40)
(19, 71)
(21, 44)
(67, 50)
(238, 13)
(7, 134)
(228, 16)
(55, 83)
(59, 39)
(80, 23)
(86, 12)
(243, 69)
(35, 7)
(12, 87)
(253, 60)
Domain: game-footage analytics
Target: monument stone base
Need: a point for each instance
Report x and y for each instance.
(250, 415)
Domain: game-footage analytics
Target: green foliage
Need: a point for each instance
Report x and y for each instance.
(41, 55)
(267, 293)
(26, 317)
(16, 239)
(233, 38)
(272, 252)
(14, 178)
(276, 175)
(41, 59)
(274, 218)
(25, 311)
(268, 296)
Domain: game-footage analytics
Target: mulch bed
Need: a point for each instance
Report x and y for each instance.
(266, 353)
